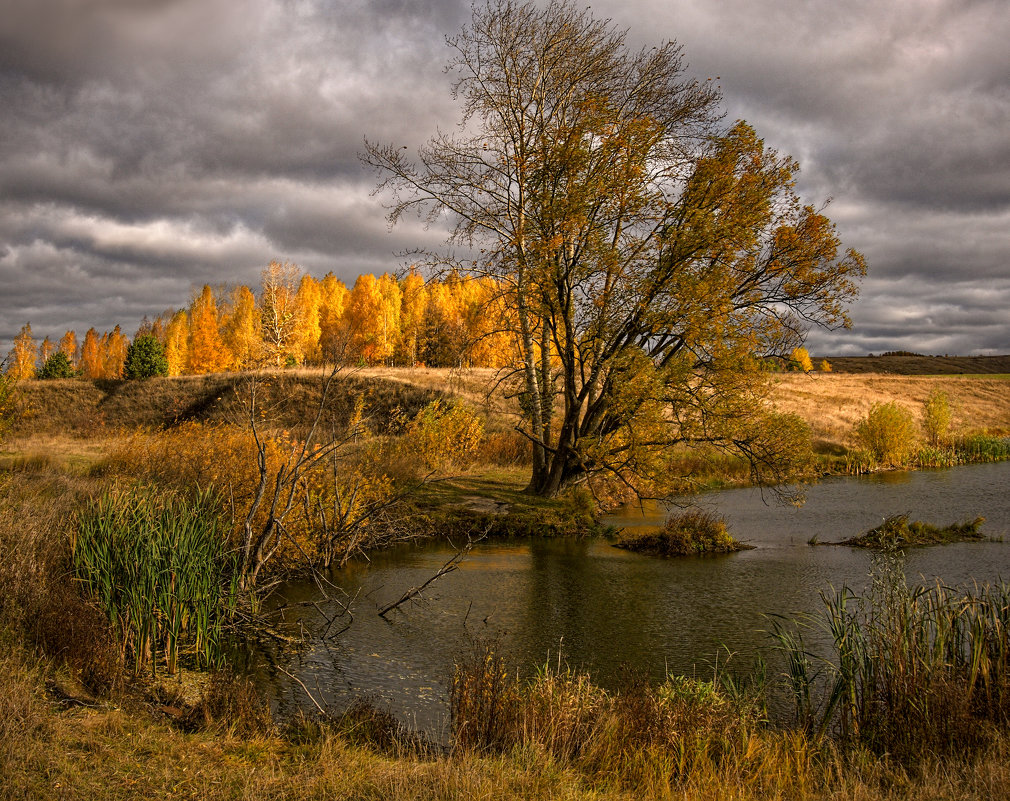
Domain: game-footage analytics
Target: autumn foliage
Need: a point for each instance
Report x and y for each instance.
(293, 319)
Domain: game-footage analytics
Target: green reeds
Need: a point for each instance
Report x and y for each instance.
(970, 449)
(157, 565)
(914, 670)
(983, 448)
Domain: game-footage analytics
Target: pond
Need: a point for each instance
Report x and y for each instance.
(602, 607)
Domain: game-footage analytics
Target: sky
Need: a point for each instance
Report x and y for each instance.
(148, 147)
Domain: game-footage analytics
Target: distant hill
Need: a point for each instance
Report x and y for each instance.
(913, 364)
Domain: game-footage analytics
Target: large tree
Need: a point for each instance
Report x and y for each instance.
(650, 254)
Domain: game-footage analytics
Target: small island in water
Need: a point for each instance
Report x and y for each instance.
(897, 532)
(693, 533)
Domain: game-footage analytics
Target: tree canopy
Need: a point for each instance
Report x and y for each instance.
(649, 254)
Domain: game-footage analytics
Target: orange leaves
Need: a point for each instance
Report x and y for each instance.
(242, 330)
(453, 321)
(207, 352)
(91, 356)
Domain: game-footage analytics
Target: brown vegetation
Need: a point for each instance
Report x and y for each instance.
(693, 533)
(912, 364)
(898, 532)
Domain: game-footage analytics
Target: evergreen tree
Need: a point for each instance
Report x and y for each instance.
(145, 358)
(57, 366)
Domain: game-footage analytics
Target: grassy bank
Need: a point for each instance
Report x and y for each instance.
(78, 421)
(834, 403)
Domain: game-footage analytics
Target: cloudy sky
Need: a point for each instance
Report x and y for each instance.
(150, 146)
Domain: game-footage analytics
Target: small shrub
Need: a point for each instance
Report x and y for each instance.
(799, 360)
(57, 366)
(230, 703)
(483, 699)
(444, 435)
(365, 723)
(145, 358)
(936, 418)
(681, 729)
(887, 433)
(825, 366)
(505, 448)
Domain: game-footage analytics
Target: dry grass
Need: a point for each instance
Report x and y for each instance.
(60, 412)
(90, 409)
(40, 606)
(832, 403)
(906, 364)
(110, 753)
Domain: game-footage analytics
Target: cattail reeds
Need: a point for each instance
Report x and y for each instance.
(914, 670)
(158, 567)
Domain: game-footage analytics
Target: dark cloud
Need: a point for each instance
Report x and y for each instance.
(147, 147)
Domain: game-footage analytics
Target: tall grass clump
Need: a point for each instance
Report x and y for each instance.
(982, 448)
(968, 449)
(640, 735)
(914, 672)
(158, 566)
(887, 434)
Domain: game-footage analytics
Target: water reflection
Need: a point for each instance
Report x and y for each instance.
(604, 607)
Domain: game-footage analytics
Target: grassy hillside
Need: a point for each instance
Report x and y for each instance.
(832, 403)
(85, 408)
(76, 416)
(920, 365)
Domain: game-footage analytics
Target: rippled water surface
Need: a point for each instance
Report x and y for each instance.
(604, 607)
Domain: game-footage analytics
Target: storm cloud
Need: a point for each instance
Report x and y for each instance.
(149, 147)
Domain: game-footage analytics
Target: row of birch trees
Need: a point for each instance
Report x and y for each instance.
(295, 319)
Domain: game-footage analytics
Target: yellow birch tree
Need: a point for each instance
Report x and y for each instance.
(279, 313)
(242, 330)
(91, 356)
(207, 351)
(414, 301)
(22, 357)
(114, 348)
(177, 343)
(308, 300)
(332, 325)
(69, 346)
